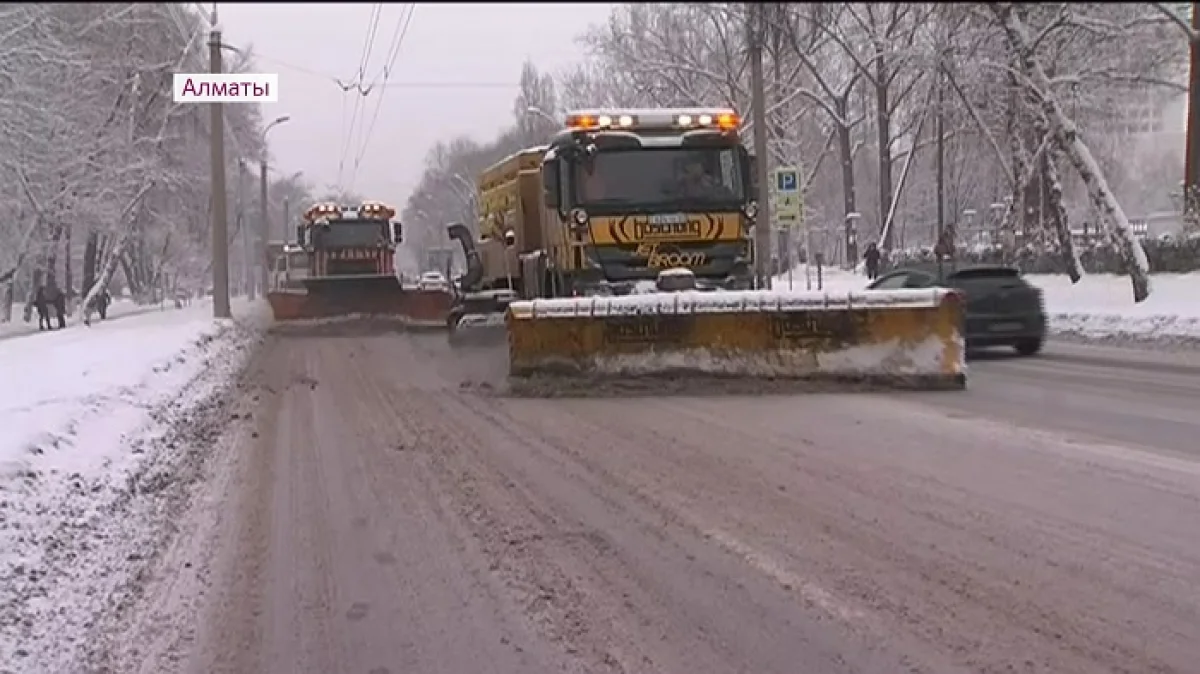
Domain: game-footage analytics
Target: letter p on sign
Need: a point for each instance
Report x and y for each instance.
(226, 88)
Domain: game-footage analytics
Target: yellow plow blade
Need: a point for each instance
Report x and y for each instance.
(899, 337)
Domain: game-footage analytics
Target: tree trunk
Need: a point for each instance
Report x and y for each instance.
(846, 151)
(883, 127)
(1057, 213)
(136, 290)
(1081, 157)
(6, 301)
(68, 268)
(1014, 215)
(91, 259)
(117, 254)
(52, 255)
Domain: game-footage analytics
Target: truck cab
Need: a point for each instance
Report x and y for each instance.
(349, 242)
(633, 193)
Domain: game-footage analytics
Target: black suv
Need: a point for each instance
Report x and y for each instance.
(1002, 308)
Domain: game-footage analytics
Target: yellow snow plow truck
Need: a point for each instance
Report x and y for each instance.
(624, 248)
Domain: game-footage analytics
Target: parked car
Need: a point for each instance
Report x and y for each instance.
(1002, 308)
(433, 280)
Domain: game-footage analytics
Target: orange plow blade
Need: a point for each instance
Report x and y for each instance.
(360, 298)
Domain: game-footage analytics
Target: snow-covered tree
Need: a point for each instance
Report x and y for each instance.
(105, 178)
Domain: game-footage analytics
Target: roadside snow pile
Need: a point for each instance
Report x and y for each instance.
(96, 423)
(1101, 306)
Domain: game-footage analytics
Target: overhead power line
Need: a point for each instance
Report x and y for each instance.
(391, 84)
(364, 60)
(397, 40)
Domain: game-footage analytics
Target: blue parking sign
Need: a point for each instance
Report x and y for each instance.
(786, 180)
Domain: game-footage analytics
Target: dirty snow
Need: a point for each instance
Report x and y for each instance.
(94, 425)
(893, 358)
(1098, 307)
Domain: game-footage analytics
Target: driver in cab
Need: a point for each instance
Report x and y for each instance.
(693, 181)
(593, 186)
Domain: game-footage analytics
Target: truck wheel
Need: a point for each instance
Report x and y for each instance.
(1028, 347)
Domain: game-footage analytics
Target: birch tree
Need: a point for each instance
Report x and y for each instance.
(1066, 134)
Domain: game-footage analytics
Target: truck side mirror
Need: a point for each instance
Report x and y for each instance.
(750, 173)
(551, 187)
(397, 233)
(300, 235)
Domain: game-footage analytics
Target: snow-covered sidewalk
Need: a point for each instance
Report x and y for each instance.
(118, 309)
(89, 421)
(1099, 306)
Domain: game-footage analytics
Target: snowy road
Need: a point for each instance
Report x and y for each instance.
(1093, 393)
(372, 515)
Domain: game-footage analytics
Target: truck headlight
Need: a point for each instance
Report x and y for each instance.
(580, 216)
(750, 209)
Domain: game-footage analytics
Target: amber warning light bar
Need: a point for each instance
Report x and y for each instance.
(723, 119)
(226, 88)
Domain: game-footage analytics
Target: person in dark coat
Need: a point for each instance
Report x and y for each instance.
(102, 302)
(56, 300)
(872, 257)
(41, 305)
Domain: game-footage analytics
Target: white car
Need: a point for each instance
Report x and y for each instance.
(433, 280)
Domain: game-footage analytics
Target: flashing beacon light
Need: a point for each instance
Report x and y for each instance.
(325, 210)
(724, 120)
(600, 120)
(376, 210)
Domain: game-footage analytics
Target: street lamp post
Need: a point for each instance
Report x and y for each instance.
(220, 216)
(264, 230)
(534, 111)
(286, 230)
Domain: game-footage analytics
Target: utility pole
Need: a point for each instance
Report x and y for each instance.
(287, 222)
(220, 222)
(1191, 170)
(239, 207)
(762, 225)
(264, 230)
(939, 123)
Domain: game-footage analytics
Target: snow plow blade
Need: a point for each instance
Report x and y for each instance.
(478, 319)
(369, 296)
(905, 338)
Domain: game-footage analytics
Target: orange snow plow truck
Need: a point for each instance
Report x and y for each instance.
(343, 264)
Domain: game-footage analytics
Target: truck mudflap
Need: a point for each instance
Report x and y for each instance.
(906, 338)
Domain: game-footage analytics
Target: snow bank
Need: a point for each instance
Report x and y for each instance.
(1098, 307)
(87, 421)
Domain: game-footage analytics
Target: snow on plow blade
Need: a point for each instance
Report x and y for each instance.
(372, 296)
(901, 338)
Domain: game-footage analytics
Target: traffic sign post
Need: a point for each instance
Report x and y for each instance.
(788, 207)
(788, 200)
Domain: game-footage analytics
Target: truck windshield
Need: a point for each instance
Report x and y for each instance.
(655, 178)
(350, 234)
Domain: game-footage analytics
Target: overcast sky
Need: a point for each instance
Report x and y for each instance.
(471, 52)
